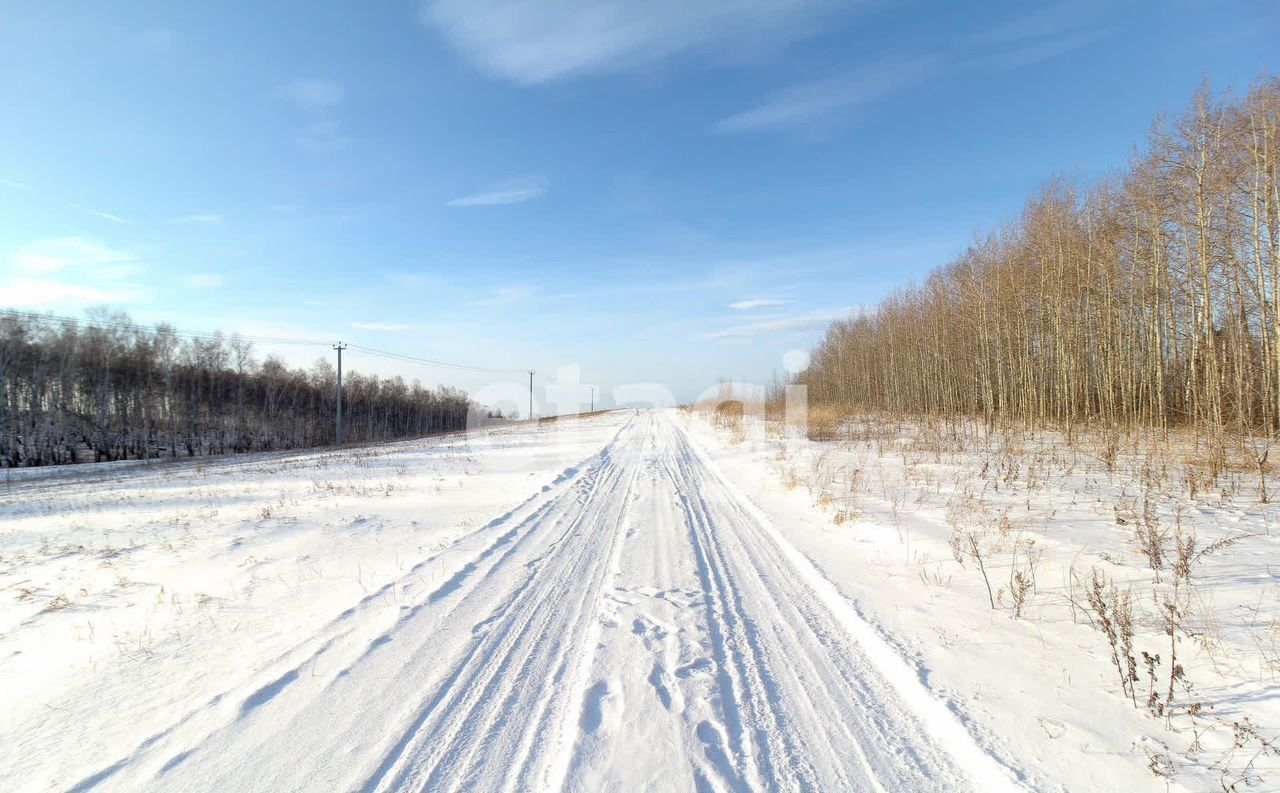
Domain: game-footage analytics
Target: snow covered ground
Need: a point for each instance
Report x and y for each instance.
(877, 508)
(629, 601)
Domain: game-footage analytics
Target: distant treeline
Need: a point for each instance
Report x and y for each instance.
(1152, 297)
(110, 390)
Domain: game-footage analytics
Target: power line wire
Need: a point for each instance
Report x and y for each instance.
(430, 362)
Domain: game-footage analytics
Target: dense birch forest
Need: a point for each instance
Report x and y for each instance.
(1151, 298)
(111, 390)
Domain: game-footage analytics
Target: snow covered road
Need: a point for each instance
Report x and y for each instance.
(637, 624)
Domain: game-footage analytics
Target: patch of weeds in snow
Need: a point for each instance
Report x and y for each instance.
(1149, 556)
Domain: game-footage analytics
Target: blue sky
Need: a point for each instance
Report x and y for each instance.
(660, 191)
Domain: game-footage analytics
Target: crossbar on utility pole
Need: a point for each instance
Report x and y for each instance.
(338, 418)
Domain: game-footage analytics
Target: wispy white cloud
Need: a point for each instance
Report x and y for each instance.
(1044, 21)
(35, 292)
(1041, 34)
(318, 99)
(321, 137)
(779, 326)
(197, 218)
(114, 218)
(507, 296)
(1037, 36)
(811, 102)
(15, 185)
(516, 193)
(757, 303)
(542, 40)
(315, 95)
(1037, 51)
(88, 272)
(60, 253)
(203, 281)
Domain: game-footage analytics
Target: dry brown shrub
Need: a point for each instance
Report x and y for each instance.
(827, 421)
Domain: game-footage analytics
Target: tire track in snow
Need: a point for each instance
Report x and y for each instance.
(766, 744)
(765, 678)
(779, 690)
(840, 687)
(346, 639)
(512, 694)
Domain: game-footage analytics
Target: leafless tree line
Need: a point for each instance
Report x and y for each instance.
(1151, 298)
(115, 391)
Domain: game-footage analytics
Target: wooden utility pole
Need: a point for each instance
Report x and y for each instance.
(338, 419)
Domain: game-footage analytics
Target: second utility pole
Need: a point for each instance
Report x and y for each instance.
(338, 423)
(531, 395)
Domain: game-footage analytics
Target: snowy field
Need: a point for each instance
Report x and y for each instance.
(891, 511)
(630, 601)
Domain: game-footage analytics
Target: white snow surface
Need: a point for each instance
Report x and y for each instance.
(619, 602)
